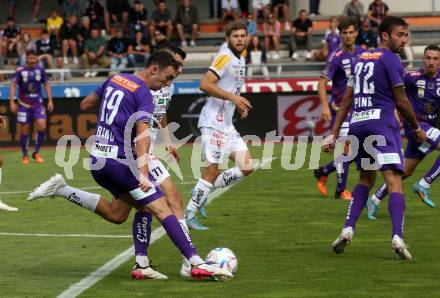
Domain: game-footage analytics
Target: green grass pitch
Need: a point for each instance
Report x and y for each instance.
(275, 221)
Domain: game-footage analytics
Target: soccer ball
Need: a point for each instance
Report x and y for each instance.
(223, 257)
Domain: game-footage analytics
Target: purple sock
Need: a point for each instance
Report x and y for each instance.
(360, 197)
(396, 208)
(39, 141)
(180, 238)
(328, 168)
(24, 143)
(381, 192)
(141, 232)
(341, 178)
(433, 172)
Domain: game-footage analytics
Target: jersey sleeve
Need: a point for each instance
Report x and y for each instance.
(144, 104)
(394, 70)
(100, 90)
(330, 67)
(220, 64)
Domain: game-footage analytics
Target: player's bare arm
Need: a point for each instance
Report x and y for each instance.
(208, 85)
(50, 105)
(404, 107)
(12, 104)
(3, 122)
(166, 136)
(322, 93)
(142, 149)
(90, 102)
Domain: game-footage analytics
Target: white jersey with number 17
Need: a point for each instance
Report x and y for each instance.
(231, 70)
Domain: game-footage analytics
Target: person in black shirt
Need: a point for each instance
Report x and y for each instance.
(117, 50)
(367, 37)
(301, 34)
(45, 49)
(117, 10)
(161, 20)
(137, 19)
(83, 33)
(11, 35)
(69, 35)
(139, 50)
(95, 12)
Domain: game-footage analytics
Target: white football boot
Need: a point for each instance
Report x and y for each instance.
(139, 272)
(6, 207)
(205, 271)
(342, 241)
(48, 188)
(185, 270)
(400, 248)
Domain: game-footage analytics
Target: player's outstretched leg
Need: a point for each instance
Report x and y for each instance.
(396, 208)
(198, 199)
(141, 241)
(321, 175)
(421, 188)
(360, 196)
(341, 182)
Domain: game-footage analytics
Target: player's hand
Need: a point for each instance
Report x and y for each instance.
(421, 135)
(242, 104)
(145, 183)
(244, 114)
(50, 106)
(329, 143)
(173, 151)
(325, 114)
(3, 122)
(13, 107)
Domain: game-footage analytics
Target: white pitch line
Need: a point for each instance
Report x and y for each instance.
(63, 235)
(94, 277)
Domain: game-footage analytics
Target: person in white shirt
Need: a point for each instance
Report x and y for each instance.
(220, 140)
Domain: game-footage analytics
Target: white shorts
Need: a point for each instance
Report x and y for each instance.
(218, 146)
(157, 169)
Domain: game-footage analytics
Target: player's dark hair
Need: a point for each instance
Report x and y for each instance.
(346, 23)
(173, 49)
(432, 47)
(31, 52)
(389, 23)
(162, 59)
(233, 26)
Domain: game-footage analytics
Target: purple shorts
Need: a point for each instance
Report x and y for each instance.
(387, 156)
(26, 115)
(118, 179)
(418, 150)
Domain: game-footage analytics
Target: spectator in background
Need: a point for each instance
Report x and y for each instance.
(69, 35)
(117, 50)
(137, 19)
(53, 25)
(36, 4)
(354, 9)
(94, 52)
(314, 7)
(330, 42)
(256, 58)
(117, 10)
(10, 36)
(260, 8)
(139, 50)
(283, 6)
(71, 7)
(367, 37)
(83, 33)
(301, 34)
(46, 49)
(230, 9)
(160, 40)
(161, 20)
(24, 44)
(272, 34)
(377, 11)
(251, 26)
(95, 12)
(187, 20)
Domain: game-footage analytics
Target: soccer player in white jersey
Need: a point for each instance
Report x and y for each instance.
(220, 140)
(4, 206)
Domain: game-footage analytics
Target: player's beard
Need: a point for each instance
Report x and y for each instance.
(235, 50)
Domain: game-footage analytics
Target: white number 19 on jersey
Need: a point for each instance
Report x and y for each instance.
(111, 104)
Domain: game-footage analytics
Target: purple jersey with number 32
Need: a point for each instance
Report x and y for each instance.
(120, 96)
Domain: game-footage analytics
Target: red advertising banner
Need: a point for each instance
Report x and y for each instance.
(282, 85)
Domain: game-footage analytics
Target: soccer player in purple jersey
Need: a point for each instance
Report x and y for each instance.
(29, 79)
(337, 70)
(374, 91)
(423, 90)
(122, 168)
(4, 206)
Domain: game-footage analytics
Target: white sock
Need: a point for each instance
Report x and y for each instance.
(423, 183)
(196, 260)
(228, 177)
(198, 198)
(375, 200)
(80, 197)
(142, 261)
